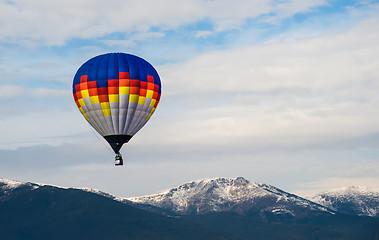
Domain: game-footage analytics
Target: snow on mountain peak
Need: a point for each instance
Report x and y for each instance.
(350, 190)
(356, 200)
(9, 187)
(10, 184)
(221, 194)
(223, 187)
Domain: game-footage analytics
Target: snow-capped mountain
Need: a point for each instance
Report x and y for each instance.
(354, 200)
(9, 184)
(37, 211)
(10, 187)
(233, 195)
(40, 211)
(229, 194)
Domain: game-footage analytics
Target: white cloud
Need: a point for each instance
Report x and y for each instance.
(53, 23)
(321, 63)
(312, 188)
(119, 43)
(286, 9)
(10, 91)
(203, 34)
(133, 39)
(42, 128)
(295, 112)
(147, 35)
(314, 92)
(49, 93)
(311, 93)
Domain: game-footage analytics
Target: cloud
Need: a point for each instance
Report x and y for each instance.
(48, 93)
(320, 63)
(147, 169)
(311, 93)
(286, 9)
(51, 24)
(203, 34)
(51, 126)
(294, 109)
(310, 189)
(132, 40)
(317, 93)
(11, 91)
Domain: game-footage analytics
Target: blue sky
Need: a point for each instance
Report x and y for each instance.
(281, 92)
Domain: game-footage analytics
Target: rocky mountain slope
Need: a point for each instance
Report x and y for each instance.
(229, 195)
(354, 200)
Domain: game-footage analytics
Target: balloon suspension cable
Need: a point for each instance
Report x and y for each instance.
(100, 139)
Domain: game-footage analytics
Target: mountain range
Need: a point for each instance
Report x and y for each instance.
(218, 208)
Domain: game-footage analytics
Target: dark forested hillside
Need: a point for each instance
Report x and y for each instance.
(32, 211)
(55, 213)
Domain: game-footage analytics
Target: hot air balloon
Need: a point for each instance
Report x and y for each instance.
(117, 93)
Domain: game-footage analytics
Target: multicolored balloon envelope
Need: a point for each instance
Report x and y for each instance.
(117, 93)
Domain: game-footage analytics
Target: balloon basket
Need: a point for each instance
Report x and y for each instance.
(118, 161)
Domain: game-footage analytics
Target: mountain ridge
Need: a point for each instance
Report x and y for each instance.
(225, 194)
(322, 201)
(39, 211)
(42, 212)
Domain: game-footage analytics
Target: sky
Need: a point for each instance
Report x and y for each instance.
(282, 92)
